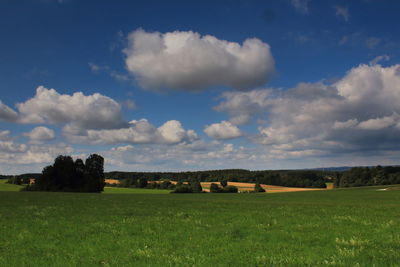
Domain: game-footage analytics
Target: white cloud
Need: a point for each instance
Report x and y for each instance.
(379, 123)
(138, 132)
(358, 112)
(301, 5)
(342, 12)
(12, 147)
(19, 158)
(4, 134)
(6, 113)
(188, 61)
(242, 105)
(172, 132)
(345, 124)
(184, 156)
(222, 130)
(122, 148)
(95, 68)
(78, 110)
(40, 134)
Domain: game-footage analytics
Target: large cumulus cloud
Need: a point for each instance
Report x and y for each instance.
(185, 60)
(78, 110)
(359, 112)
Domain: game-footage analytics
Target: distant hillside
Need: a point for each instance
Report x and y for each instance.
(334, 169)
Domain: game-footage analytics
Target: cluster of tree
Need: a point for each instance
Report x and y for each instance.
(18, 180)
(224, 188)
(71, 176)
(144, 183)
(362, 176)
(193, 186)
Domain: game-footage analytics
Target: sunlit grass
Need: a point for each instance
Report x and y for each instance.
(122, 190)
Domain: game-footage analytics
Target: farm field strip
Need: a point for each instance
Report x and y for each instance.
(242, 186)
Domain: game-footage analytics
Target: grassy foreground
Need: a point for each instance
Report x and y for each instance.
(347, 227)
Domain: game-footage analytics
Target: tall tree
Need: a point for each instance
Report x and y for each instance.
(94, 173)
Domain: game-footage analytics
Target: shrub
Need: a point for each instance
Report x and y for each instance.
(171, 186)
(196, 187)
(183, 189)
(141, 183)
(230, 189)
(165, 184)
(214, 188)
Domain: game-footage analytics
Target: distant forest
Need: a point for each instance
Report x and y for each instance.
(357, 176)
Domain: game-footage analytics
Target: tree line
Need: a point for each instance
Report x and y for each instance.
(356, 176)
(293, 178)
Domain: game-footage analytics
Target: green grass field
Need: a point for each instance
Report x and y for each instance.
(350, 227)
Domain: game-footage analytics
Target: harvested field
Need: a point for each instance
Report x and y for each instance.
(268, 188)
(241, 186)
(112, 181)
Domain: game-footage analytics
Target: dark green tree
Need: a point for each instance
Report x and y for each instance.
(258, 188)
(94, 173)
(141, 183)
(230, 189)
(165, 184)
(185, 188)
(67, 175)
(196, 187)
(224, 182)
(64, 171)
(214, 188)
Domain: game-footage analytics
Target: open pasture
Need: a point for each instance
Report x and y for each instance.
(349, 227)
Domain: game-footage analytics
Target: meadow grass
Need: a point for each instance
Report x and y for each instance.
(318, 228)
(8, 187)
(122, 190)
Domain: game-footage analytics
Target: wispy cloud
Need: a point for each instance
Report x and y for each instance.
(301, 5)
(95, 68)
(378, 59)
(372, 42)
(342, 12)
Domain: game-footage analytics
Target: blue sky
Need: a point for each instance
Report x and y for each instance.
(189, 85)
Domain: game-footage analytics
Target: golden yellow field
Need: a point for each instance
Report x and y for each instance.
(112, 181)
(242, 186)
(268, 188)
